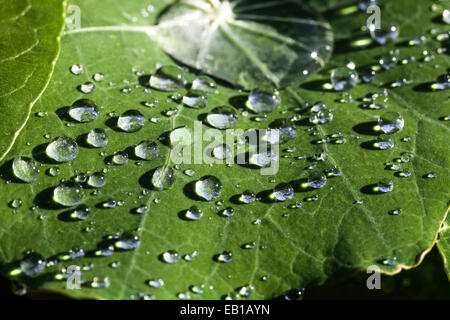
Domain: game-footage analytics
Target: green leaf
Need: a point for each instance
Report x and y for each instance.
(265, 42)
(29, 46)
(348, 228)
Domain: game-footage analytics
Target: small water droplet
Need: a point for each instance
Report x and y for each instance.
(195, 100)
(97, 138)
(384, 187)
(80, 213)
(16, 203)
(247, 197)
(77, 69)
(171, 257)
(156, 283)
(68, 194)
(224, 257)
(98, 77)
(128, 241)
(33, 264)
(204, 84)
(193, 213)
(384, 35)
(147, 150)
(282, 192)
(317, 180)
(222, 152)
(87, 87)
(120, 158)
(344, 78)
(390, 122)
(97, 180)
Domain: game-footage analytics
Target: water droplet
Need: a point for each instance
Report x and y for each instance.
(446, 16)
(54, 171)
(180, 137)
(195, 100)
(222, 152)
(225, 257)
(384, 35)
(442, 82)
(87, 87)
(391, 122)
(247, 197)
(184, 296)
(128, 241)
(25, 169)
(97, 138)
(395, 212)
(97, 180)
(131, 121)
(68, 194)
(384, 187)
(98, 77)
(168, 78)
(227, 212)
(80, 213)
(97, 283)
(196, 290)
(383, 143)
(222, 118)
(156, 283)
(250, 245)
(282, 192)
(84, 110)
(163, 178)
(246, 291)
(16, 203)
(171, 257)
(204, 84)
(194, 213)
(263, 159)
(344, 78)
(317, 180)
(431, 176)
(320, 114)
(189, 172)
(147, 150)
(120, 158)
(33, 264)
(281, 131)
(77, 69)
(209, 188)
(62, 149)
(265, 99)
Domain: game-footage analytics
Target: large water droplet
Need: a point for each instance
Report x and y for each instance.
(265, 99)
(25, 169)
(168, 78)
(222, 118)
(131, 121)
(317, 180)
(285, 129)
(222, 152)
(62, 149)
(180, 137)
(84, 110)
(68, 194)
(209, 188)
(163, 178)
(97, 138)
(147, 150)
(195, 100)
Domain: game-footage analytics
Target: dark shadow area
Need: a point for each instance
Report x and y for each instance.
(370, 145)
(40, 155)
(189, 191)
(370, 190)
(112, 124)
(6, 173)
(44, 200)
(239, 102)
(367, 128)
(63, 114)
(144, 80)
(145, 181)
(424, 87)
(317, 85)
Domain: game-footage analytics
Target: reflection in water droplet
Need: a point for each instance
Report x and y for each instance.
(97, 138)
(168, 78)
(131, 121)
(84, 110)
(227, 212)
(247, 197)
(317, 180)
(320, 114)
(281, 131)
(62, 149)
(16, 203)
(68, 194)
(120, 158)
(384, 187)
(25, 169)
(384, 35)
(383, 143)
(222, 118)
(265, 99)
(209, 188)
